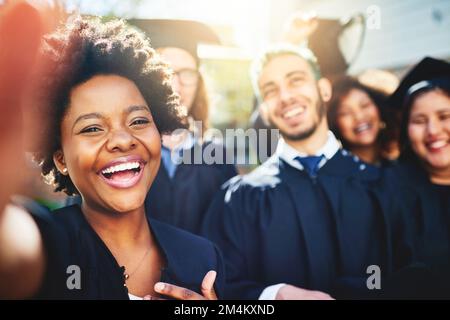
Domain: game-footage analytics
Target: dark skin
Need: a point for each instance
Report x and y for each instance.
(120, 223)
(108, 119)
(87, 145)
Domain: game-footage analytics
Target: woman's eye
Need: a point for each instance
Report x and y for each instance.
(419, 121)
(91, 130)
(445, 116)
(343, 113)
(138, 122)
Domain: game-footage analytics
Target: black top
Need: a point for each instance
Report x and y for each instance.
(182, 201)
(428, 206)
(70, 241)
(443, 194)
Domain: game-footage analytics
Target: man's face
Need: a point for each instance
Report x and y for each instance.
(291, 95)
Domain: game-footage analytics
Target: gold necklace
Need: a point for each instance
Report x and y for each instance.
(126, 275)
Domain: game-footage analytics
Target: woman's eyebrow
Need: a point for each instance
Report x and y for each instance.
(443, 110)
(93, 115)
(131, 109)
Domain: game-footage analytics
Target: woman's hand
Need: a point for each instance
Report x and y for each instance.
(172, 291)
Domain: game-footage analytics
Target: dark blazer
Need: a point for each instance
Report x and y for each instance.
(70, 241)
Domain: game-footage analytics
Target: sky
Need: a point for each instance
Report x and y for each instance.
(248, 20)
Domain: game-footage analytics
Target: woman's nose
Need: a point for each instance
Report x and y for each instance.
(121, 140)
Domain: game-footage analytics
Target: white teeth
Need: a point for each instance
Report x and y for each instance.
(438, 144)
(293, 112)
(122, 167)
(362, 127)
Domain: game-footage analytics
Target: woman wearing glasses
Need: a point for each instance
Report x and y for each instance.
(185, 186)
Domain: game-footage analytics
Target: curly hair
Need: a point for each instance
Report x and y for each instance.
(86, 47)
(341, 88)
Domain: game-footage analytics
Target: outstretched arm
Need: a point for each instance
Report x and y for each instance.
(22, 257)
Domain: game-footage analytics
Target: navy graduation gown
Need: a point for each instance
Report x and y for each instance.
(183, 200)
(428, 208)
(70, 240)
(279, 225)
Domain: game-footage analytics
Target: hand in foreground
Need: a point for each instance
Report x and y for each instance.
(289, 292)
(180, 293)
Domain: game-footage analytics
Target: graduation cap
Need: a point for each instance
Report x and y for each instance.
(428, 73)
(184, 34)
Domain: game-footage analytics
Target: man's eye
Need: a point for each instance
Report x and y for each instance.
(91, 130)
(269, 93)
(297, 80)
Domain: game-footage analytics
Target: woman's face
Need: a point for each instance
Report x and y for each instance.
(185, 79)
(358, 119)
(110, 144)
(429, 128)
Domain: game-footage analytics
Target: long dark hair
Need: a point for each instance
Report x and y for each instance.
(200, 106)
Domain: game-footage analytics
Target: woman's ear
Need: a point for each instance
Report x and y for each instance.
(325, 89)
(58, 159)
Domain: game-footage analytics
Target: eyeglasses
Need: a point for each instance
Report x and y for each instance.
(187, 77)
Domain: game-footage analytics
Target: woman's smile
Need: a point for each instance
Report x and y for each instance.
(123, 172)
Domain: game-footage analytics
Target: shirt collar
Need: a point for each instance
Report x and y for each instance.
(288, 153)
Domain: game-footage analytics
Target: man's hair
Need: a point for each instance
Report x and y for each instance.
(82, 49)
(272, 52)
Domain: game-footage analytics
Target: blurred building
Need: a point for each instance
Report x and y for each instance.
(407, 30)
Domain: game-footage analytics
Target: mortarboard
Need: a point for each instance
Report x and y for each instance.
(427, 73)
(184, 34)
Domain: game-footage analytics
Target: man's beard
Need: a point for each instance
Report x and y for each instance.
(320, 111)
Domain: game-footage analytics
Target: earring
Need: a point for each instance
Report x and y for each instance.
(64, 171)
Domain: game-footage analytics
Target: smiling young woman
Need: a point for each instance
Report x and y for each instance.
(108, 98)
(359, 117)
(422, 178)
